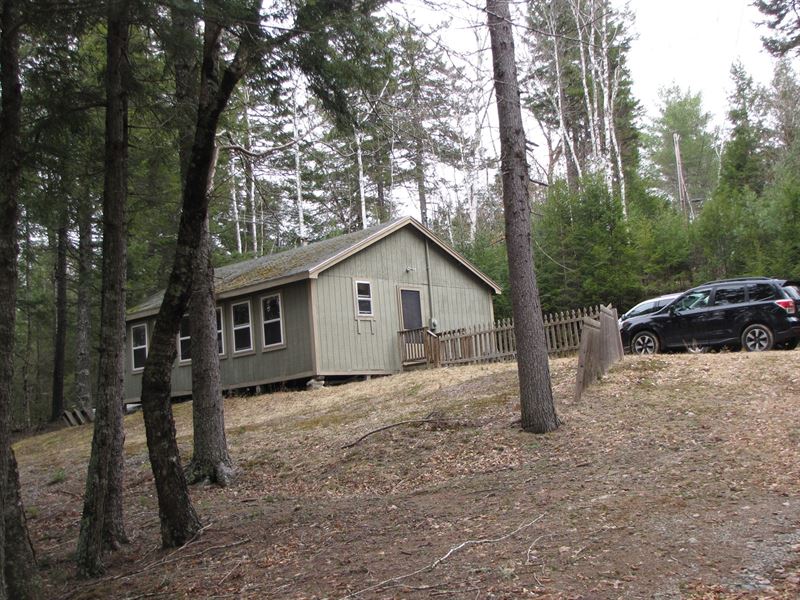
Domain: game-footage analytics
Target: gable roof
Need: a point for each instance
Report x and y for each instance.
(305, 262)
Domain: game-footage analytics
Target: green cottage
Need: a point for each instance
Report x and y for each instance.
(333, 308)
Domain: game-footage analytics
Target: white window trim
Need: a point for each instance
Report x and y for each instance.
(235, 328)
(181, 360)
(282, 343)
(134, 368)
(356, 298)
(221, 331)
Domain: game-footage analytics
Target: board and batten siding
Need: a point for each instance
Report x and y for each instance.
(259, 366)
(350, 344)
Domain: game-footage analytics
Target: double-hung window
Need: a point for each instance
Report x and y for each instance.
(242, 327)
(220, 337)
(184, 340)
(272, 318)
(364, 299)
(138, 346)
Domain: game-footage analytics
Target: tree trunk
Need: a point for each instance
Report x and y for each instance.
(20, 568)
(102, 519)
(83, 387)
(28, 354)
(60, 341)
(179, 522)
(298, 183)
(536, 395)
(362, 201)
(419, 175)
(235, 209)
(210, 459)
(249, 174)
(17, 564)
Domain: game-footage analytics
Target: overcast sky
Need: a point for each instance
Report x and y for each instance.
(693, 43)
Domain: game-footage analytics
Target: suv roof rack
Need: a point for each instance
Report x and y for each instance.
(733, 279)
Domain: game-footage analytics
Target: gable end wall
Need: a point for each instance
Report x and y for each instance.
(346, 344)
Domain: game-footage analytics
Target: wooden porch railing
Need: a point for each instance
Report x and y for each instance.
(419, 346)
(490, 343)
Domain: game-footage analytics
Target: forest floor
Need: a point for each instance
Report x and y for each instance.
(677, 476)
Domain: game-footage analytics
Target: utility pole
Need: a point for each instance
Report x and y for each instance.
(683, 194)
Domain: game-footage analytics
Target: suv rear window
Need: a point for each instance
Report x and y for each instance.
(760, 291)
(792, 292)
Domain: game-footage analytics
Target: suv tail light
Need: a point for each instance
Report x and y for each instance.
(787, 305)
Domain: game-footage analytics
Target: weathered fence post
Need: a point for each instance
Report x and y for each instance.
(601, 347)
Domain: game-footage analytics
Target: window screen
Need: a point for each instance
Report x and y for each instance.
(412, 309)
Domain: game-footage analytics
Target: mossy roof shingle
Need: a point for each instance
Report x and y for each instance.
(280, 265)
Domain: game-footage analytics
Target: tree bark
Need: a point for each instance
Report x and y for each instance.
(17, 563)
(419, 176)
(20, 572)
(536, 395)
(235, 208)
(298, 183)
(83, 387)
(60, 341)
(28, 354)
(362, 201)
(249, 173)
(179, 522)
(210, 458)
(102, 521)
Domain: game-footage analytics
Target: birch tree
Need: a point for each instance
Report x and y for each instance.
(578, 74)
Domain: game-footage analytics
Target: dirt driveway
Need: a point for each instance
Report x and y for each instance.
(675, 477)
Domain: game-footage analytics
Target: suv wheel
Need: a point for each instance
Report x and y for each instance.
(757, 338)
(644, 342)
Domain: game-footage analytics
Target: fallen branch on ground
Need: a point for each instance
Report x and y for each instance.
(443, 558)
(428, 419)
(169, 558)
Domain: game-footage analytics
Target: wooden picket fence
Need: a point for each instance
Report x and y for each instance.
(492, 342)
(601, 347)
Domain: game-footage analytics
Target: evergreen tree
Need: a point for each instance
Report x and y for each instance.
(743, 163)
(784, 20)
(681, 113)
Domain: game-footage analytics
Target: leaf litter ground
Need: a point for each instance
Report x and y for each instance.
(677, 476)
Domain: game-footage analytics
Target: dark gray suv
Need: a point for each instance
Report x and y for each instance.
(754, 313)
